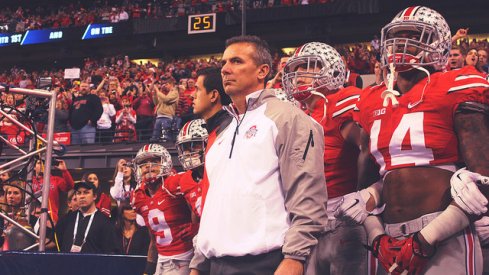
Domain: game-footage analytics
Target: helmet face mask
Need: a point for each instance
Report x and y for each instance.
(152, 163)
(314, 66)
(417, 36)
(191, 153)
(191, 143)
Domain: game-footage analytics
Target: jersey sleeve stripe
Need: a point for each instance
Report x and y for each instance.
(467, 86)
(347, 99)
(469, 76)
(344, 110)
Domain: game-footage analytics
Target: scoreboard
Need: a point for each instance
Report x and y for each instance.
(201, 23)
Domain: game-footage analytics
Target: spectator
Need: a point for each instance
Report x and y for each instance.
(103, 202)
(9, 128)
(455, 58)
(57, 185)
(114, 100)
(472, 57)
(461, 33)
(378, 72)
(61, 117)
(352, 78)
(143, 105)
(123, 15)
(72, 202)
(86, 230)
(166, 101)
(276, 82)
(105, 128)
(114, 16)
(131, 238)
(125, 120)
(184, 109)
(15, 239)
(84, 114)
(375, 43)
(124, 182)
(482, 64)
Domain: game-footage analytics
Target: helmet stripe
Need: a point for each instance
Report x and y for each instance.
(298, 50)
(411, 11)
(185, 127)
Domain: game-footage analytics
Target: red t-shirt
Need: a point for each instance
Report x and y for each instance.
(57, 185)
(104, 204)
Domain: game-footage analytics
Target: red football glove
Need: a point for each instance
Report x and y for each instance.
(412, 258)
(386, 249)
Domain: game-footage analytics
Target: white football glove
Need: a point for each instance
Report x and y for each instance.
(465, 192)
(482, 228)
(353, 206)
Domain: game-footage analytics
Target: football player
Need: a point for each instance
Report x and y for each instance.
(191, 142)
(422, 125)
(315, 75)
(166, 214)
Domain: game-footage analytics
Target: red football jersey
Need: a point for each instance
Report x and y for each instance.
(192, 192)
(420, 131)
(340, 157)
(166, 215)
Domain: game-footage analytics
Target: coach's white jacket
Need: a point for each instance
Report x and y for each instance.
(267, 188)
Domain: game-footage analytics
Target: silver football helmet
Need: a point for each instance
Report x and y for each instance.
(152, 162)
(313, 66)
(191, 142)
(417, 36)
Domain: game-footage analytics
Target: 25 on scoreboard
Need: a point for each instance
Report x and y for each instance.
(201, 23)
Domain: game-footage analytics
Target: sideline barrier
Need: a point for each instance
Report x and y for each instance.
(35, 263)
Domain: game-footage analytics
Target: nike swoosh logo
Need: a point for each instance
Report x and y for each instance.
(410, 106)
(160, 202)
(356, 202)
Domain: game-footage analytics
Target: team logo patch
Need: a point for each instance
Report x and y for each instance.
(251, 132)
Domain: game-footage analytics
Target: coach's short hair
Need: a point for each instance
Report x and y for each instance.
(262, 54)
(213, 81)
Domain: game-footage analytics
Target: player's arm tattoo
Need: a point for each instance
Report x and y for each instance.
(473, 131)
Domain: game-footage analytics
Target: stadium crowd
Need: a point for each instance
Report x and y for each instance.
(128, 91)
(77, 13)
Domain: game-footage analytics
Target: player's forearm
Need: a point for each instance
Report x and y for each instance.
(368, 172)
(152, 251)
(471, 129)
(448, 223)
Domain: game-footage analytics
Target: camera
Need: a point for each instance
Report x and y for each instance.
(55, 162)
(44, 83)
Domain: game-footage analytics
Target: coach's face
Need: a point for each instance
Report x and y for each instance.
(240, 73)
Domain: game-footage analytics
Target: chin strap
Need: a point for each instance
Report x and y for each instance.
(390, 94)
(325, 103)
(424, 88)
